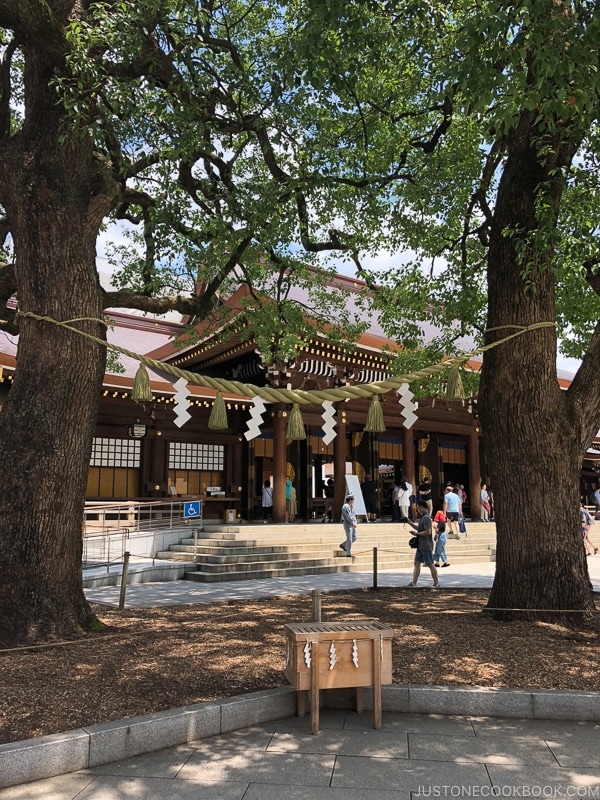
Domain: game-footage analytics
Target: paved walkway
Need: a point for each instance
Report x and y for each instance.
(413, 756)
(472, 576)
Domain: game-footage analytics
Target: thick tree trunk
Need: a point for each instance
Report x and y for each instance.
(531, 428)
(55, 197)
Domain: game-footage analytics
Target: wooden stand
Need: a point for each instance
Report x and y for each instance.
(335, 655)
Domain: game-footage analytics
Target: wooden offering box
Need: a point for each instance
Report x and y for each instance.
(335, 655)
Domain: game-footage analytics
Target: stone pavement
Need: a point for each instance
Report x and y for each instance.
(472, 576)
(412, 756)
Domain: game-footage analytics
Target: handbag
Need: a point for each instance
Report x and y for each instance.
(462, 526)
(413, 542)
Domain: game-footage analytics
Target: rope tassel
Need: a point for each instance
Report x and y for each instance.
(295, 426)
(375, 422)
(141, 391)
(454, 387)
(218, 415)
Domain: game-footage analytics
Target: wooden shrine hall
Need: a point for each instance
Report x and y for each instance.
(165, 447)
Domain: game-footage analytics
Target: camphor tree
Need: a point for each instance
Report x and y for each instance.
(504, 211)
(178, 119)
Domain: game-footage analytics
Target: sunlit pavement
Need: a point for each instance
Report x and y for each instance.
(472, 576)
(412, 756)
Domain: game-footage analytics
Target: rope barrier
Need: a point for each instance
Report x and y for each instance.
(301, 396)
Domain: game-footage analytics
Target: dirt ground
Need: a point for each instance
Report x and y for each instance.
(153, 659)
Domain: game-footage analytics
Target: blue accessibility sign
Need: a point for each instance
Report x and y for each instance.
(191, 509)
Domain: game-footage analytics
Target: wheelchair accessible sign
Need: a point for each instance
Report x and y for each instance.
(191, 510)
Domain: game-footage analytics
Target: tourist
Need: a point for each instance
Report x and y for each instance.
(485, 504)
(329, 492)
(439, 556)
(349, 522)
(292, 508)
(395, 504)
(412, 498)
(452, 509)
(404, 492)
(288, 499)
(586, 523)
(267, 500)
(426, 494)
(369, 493)
(424, 551)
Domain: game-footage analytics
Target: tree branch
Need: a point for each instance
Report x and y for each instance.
(592, 277)
(199, 306)
(34, 20)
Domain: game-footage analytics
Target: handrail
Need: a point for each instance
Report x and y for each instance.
(108, 527)
(101, 518)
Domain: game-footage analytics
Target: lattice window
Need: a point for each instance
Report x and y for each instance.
(115, 453)
(188, 455)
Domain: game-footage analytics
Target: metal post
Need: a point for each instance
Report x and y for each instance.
(195, 545)
(124, 581)
(316, 605)
(375, 568)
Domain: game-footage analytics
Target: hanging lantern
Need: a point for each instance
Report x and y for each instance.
(295, 426)
(454, 387)
(375, 423)
(218, 415)
(141, 391)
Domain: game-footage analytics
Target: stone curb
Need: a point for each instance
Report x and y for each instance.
(47, 756)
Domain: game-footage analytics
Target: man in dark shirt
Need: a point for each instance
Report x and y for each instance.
(369, 493)
(425, 494)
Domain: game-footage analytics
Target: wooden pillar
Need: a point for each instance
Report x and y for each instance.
(156, 462)
(474, 475)
(339, 462)
(279, 462)
(408, 457)
(375, 470)
(253, 489)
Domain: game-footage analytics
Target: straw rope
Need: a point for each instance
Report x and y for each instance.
(302, 396)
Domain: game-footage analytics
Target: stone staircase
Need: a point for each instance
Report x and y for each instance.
(256, 551)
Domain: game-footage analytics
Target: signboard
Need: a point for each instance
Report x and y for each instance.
(353, 487)
(191, 509)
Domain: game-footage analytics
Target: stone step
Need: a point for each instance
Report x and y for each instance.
(321, 541)
(256, 551)
(307, 564)
(342, 565)
(181, 552)
(202, 576)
